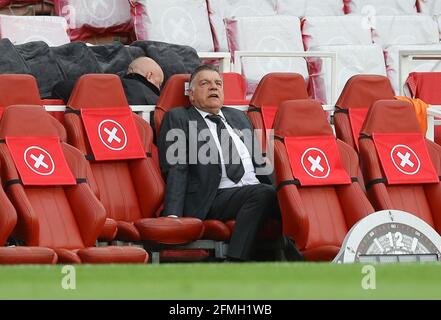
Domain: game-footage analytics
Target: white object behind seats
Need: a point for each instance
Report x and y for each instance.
(324, 7)
(392, 62)
(183, 22)
(221, 9)
(22, 29)
(295, 8)
(267, 34)
(337, 30)
(438, 20)
(381, 7)
(403, 30)
(351, 60)
(430, 7)
(97, 14)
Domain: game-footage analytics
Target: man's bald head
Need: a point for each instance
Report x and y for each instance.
(149, 69)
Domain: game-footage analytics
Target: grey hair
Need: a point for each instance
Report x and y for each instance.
(203, 67)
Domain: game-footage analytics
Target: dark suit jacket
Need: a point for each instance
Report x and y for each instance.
(191, 188)
(139, 91)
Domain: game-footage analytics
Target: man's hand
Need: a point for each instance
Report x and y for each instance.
(172, 216)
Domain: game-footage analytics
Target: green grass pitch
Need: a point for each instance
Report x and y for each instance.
(223, 281)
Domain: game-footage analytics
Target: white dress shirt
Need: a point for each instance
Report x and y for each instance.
(249, 177)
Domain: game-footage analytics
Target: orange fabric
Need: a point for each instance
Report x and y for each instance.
(420, 109)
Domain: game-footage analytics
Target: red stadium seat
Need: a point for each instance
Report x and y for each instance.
(67, 219)
(235, 89)
(273, 89)
(420, 199)
(27, 83)
(18, 255)
(360, 92)
(317, 217)
(425, 86)
(14, 85)
(11, 95)
(130, 190)
(172, 96)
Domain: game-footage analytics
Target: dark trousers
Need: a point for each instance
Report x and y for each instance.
(250, 206)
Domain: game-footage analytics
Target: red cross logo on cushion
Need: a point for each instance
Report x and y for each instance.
(39, 161)
(315, 163)
(112, 135)
(405, 159)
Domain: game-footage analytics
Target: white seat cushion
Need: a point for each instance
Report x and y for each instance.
(337, 30)
(267, 34)
(351, 60)
(324, 8)
(221, 9)
(381, 7)
(97, 14)
(183, 22)
(404, 30)
(22, 29)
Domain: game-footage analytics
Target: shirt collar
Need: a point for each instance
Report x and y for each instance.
(205, 114)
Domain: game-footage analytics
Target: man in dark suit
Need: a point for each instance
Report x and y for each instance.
(141, 84)
(210, 170)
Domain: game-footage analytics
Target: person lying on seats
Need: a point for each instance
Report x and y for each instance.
(142, 83)
(217, 178)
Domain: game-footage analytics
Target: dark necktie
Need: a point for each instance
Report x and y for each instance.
(233, 163)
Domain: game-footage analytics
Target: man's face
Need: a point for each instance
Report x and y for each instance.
(207, 93)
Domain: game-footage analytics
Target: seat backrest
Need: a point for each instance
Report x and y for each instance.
(273, 89)
(52, 216)
(13, 87)
(424, 86)
(360, 92)
(92, 90)
(172, 96)
(235, 89)
(18, 89)
(128, 189)
(422, 200)
(317, 216)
